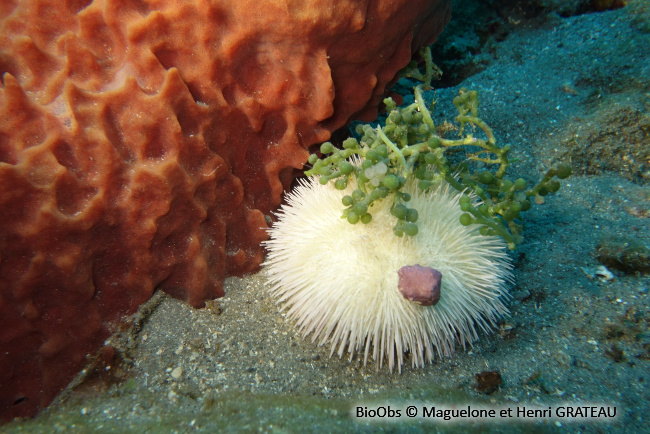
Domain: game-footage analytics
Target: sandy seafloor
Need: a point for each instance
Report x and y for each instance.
(557, 88)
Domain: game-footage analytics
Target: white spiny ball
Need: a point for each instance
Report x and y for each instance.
(339, 281)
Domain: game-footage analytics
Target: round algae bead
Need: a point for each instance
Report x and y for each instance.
(412, 215)
(466, 220)
(360, 208)
(326, 148)
(383, 191)
(353, 217)
(374, 195)
(433, 142)
(366, 218)
(411, 229)
(347, 200)
(373, 155)
(350, 143)
(391, 182)
(564, 171)
(362, 178)
(345, 167)
(313, 158)
(520, 184)
(486, 177)
(400, 131)
(553, 186)
(341, 183)
(399, 211)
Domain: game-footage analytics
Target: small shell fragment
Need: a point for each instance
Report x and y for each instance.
(177, 372)
(600, 272)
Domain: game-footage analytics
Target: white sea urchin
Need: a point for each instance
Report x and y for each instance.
(340, 281)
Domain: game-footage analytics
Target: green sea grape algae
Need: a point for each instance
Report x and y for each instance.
(411, 146)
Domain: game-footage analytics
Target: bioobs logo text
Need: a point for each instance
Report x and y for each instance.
(381, 412)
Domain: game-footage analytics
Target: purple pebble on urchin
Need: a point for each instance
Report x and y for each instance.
(339, 282)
